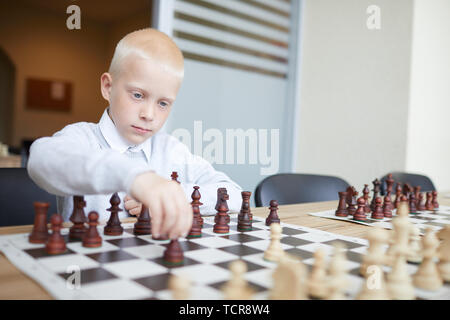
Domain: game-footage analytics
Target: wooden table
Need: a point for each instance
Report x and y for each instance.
(11, 161)
(16, 285)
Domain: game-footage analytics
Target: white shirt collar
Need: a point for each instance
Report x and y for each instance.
(117, 142)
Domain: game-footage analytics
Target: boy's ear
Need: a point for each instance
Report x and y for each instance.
(106, 84)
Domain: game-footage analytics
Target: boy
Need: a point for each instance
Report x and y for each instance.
(124, 152)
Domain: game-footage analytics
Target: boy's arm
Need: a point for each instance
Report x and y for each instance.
(70, 163)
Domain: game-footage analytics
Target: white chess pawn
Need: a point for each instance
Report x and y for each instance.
(289, 279)
(237, 288)
(444, 254)
(427, 276)
(179, 285)
(377, 237)
(415, 247)
(318, 285)
(274, 252)
(338, 281)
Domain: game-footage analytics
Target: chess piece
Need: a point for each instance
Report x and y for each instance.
(415, 247)
(427, 276)
(91, 238)
(342, 206)
(444, 254)
(376, 192)
(195, 196)
(55, 243)
(237, 288)
(377, 213)
(399, 281)
(318, 285)
(143, 225)
(274, 252)
(179, 286)
(403, 207)
(78, 218)
(338, 281)
(39, 234)
(374, 285)
(387, 206)
(360, 214)
(366, 192)
(389, 184)
(429, 202)
(400, 236)
(220, 191)
(351, 200)
(420, 203)
(222, 218)
(412, 203)
(196, 228)
(435, 200)
(377, 238)
(174, 176)
(173, 255)
(113, 226)
(416, 194)
(273, 215)
(289, 280)
(398, 194)
(244, 218)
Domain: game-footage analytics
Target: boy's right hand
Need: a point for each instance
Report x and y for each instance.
(170, 211)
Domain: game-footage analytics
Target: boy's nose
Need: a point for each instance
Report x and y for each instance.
(147, 113)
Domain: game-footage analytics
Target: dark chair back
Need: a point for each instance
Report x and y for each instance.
(17, 195)
(413, 179)
(290, 188)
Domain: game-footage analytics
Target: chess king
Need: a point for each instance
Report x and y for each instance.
(125, 151)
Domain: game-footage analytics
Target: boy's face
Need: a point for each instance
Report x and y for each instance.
(140, 97)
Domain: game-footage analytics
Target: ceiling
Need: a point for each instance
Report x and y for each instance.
(98, 10)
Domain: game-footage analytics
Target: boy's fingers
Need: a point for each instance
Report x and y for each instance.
(157, 217)
(170, 215)
(135, 211)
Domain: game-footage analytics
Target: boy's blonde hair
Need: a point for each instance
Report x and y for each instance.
(148, 44)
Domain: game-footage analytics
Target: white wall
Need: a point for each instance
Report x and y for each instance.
(428, 145)
(354, 89)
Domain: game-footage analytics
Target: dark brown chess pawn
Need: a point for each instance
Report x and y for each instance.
(407, 189)
(387, 206)
(222, 218)
(55, 243)
(352, 206)
(350, 190)
(420, 203)
(360, 214)
(196, 196)
(341, 210)
(244, 218)
(412, 203)
(416, 194)
(429, 202)
(91, 238)
(39, 234)
(366, 192)
(378, 212)
(273, 214)
(398, 194)
(143, 225)
(113, 226)
(435, 200)
(78, 218)
(196, 228)
(174, 176)
(173, 255)
(376, 191)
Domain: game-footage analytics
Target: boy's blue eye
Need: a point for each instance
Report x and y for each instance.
(137, 95)
(163, 104)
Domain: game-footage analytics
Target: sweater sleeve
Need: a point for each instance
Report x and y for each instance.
(71, 162)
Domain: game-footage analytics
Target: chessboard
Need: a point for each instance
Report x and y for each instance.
(436, 219)
(132, 267)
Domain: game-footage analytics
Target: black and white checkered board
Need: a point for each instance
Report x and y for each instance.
(437, 219)
(130, 267)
